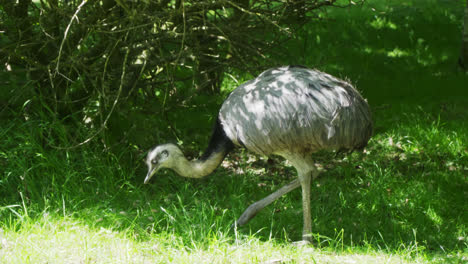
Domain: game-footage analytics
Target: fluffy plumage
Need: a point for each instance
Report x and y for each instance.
(295, 109)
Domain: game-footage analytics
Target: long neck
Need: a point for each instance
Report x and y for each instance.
(219, 146)
(201, 167)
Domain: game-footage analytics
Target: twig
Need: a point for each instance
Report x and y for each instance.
(75, 16)
(183, 36)
(258, 15)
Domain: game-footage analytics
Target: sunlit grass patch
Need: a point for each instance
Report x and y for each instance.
(51, 240)
(65, 240)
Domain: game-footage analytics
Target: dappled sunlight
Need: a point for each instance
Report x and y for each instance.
(380, 23)
(397, 53)
(382, 47)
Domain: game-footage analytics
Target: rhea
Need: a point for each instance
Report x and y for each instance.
(289, 111)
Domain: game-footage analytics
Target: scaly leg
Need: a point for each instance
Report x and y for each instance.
(305, 179)
(254, 208)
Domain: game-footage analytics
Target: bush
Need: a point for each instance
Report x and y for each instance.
(88, 60)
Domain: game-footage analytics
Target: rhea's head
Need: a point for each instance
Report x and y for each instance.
(162, 156)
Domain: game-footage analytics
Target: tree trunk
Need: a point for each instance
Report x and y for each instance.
(463, 60)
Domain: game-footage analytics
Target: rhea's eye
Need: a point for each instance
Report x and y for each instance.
(154, 161)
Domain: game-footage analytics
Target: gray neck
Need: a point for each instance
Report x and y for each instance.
(199, 168)
(214, 154)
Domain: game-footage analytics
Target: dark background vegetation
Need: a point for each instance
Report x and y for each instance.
(96, 67)
(86, 87)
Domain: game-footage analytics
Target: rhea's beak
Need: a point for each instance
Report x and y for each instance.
(150, 174)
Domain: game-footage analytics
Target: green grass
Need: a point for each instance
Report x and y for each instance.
(401, 201)
(69, 241)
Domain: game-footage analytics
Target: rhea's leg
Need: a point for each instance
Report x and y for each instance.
(305, 179)
(254, 208)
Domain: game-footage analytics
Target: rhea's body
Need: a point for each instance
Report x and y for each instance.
(290, 111)
(296, 110)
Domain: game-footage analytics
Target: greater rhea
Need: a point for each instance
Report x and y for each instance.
(289, 111)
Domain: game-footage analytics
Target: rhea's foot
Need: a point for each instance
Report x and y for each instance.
(306, 240)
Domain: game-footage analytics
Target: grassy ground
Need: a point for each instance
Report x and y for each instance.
(401, 201)
(68, 241)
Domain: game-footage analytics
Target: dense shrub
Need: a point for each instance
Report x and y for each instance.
(86, 60)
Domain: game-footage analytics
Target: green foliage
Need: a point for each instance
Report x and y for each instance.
(93, 64)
